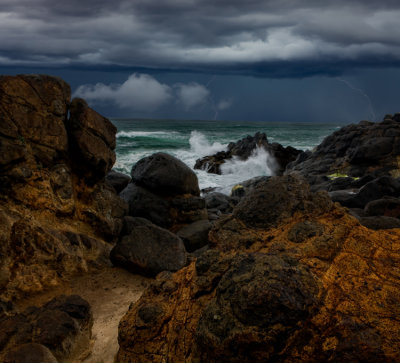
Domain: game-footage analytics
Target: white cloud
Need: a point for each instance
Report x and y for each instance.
(139, 92)
(191, 95)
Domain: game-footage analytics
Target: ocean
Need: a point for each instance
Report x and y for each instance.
(190, 140)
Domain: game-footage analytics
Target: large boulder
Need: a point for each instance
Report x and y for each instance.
(63, 326)
(92, 140)
(308, 285)
(148, 250)
(164, 174)
(244, 148)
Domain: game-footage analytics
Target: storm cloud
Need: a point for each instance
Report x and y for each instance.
(274, 38)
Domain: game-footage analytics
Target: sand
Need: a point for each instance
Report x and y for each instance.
(109, 292)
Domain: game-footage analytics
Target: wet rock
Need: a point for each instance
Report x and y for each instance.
(244, 148)
(148, 250)
(63, 325)
(92, 140)
(118, 181)
(195, 235)
(165, 174)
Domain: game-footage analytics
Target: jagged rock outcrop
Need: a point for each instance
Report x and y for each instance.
(355, 151)
(357, 164)
(244, 148)
(305, 282)
(57, 214)
(60, 329)
(165, 191)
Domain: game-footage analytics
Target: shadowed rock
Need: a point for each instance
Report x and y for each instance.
(148, 250)
(165, 174)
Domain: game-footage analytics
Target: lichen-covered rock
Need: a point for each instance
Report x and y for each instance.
(330, 292)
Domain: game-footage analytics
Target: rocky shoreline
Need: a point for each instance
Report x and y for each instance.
(300, 266)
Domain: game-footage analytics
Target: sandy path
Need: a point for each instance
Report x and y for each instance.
(109, 292)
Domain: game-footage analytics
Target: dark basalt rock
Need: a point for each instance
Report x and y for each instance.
(380, 222)
(195, 235)
(220, 202)
(143, 203)
(63, 325)
(165, 174)
(277, 199)
(148, 250)
(260, 295)
(354, 150)
(389, 207)
(118, 181)
(244, 148)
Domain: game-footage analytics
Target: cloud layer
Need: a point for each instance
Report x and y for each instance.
(142, 92)
(277, 38)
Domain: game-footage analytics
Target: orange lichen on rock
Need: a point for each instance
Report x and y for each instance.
(309, 284)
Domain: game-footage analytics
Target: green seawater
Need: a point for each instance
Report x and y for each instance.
(189, 140)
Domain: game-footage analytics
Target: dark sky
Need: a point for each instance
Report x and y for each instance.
(279, 60)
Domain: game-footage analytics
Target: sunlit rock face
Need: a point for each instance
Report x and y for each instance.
(56, 212)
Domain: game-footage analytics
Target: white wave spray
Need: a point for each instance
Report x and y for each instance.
(200, 146)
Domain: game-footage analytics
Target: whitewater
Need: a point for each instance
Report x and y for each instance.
(191, 140)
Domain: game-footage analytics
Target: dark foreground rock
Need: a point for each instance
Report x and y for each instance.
(243, 149)
(304, 282)
(148, 250)
(61, 329)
